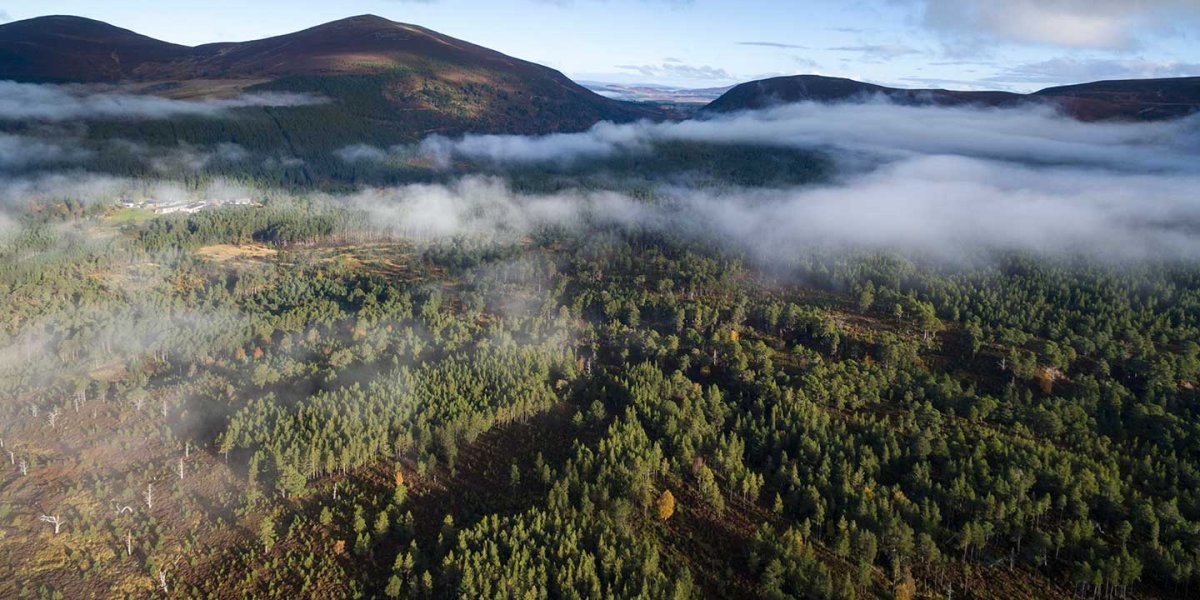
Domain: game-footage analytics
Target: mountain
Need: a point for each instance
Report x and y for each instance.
(647, 92)
(1145, 99)
(1141, 99)
(62, 49)
(417, 80)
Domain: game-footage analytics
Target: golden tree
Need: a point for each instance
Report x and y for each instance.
(666, 505)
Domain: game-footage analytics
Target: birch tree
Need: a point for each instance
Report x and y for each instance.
(53, 520)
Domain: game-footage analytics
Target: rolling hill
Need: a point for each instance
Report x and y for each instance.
(415, 81)
(1142, 99)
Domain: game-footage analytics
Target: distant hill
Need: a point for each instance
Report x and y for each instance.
(656, 93)
(1142, 99)
(414, 80)
(1145, 99)
(63, 49)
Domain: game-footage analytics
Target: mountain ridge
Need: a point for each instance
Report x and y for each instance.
(1132, 99)
(455, 86)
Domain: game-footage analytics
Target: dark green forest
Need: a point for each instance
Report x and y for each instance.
(617, 412)
(370, 312)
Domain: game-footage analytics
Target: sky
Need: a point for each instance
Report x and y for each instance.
(1019, 45)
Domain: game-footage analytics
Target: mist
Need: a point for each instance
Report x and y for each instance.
(951, 208)
(884, 131)
(55, 103)
(947, 182)
(19, 152)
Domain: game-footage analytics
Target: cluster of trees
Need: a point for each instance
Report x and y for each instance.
(872, 432)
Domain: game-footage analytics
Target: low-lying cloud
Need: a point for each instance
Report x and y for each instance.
(953, 208)
(18, 152)
(1031, 134)
(930, 180)
(950, 182)
(54, 103)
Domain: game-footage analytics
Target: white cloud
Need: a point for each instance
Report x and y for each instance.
(18, 151)
(1065, 69)
(956, 183)
(674, 70)
(878, 52)
(880, 129)
(33, 102)
(361, 153)
(956, 207)
(779, 45)
(1109, 24)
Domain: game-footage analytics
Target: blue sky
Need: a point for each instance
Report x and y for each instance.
(968, 44)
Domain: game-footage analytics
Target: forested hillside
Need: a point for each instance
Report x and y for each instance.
(366, 311)
(620, 413)
(370, 80)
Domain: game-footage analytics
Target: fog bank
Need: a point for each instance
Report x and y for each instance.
(53, 103)
(887, 131)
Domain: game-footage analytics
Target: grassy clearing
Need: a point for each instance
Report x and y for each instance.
(227, 252)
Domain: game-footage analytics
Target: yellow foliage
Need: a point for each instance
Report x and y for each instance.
(666, 505)
(906, 588)
(733, 335)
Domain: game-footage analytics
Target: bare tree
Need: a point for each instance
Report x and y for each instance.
(12, 458)
(164, 408)
(128, 544)
(52, 417)
(53, 520)
(149, 496)
(24, 467)
(181, 468)
(122, 509)
(162, 580)
(187, 449)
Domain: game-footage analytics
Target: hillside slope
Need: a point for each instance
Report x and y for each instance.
(64, 49)
(452, 86)
(1143, 99)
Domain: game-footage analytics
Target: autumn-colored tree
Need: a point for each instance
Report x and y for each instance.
(666, 505)
(906, 588)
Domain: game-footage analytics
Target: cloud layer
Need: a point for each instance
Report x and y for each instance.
(950, 182)
(878, 129)
(953, 208)
(33, 102)
(1105, 24)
